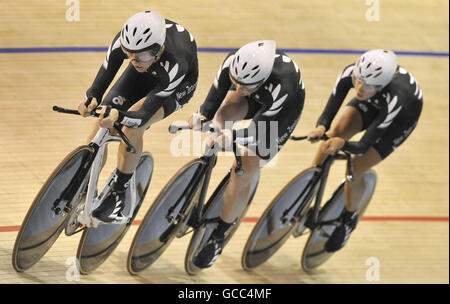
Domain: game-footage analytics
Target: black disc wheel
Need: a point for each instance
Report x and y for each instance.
(44, 221)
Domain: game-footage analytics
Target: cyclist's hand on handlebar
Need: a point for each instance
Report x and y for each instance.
(316, 134)
(110, 119)
(195, 121)
(223, 138)
(333, 144)
(85, 111)
(225, 141)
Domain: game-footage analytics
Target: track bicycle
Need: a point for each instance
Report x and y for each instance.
(181, 208)
(68, 198)
(290, 213)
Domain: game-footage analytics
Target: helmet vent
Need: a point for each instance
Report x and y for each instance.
(146, 31)
(255, 73)
(237, 59)
(243, 67)
(139, 41)
(370, 63)
(246, 76)
(367, 76)
(126, 27)
(377, 75)
(235, 70)
(126, 37)
(134, 31)
(379, 68)
(362, 59)
(255, 68)
(148, 37)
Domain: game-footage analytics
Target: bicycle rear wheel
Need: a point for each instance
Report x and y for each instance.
(314, 253)
(272, 231)
(212, 210)
(97, 244)
(41, 226)
(156, 232)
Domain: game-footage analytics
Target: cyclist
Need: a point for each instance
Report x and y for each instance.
(160, 79)
(255, 82)
(387, 106)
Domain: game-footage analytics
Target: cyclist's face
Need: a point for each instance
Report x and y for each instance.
(363, 91)
(140, 61)
(241, 89)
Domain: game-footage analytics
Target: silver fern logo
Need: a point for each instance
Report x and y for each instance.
(277, 102)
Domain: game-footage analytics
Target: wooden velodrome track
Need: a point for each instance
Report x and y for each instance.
(406, 226)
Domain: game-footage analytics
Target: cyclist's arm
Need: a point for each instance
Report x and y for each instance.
(341, 88)
(218, 91)
(105, 75)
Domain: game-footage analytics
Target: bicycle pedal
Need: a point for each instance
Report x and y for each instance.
(84, 219)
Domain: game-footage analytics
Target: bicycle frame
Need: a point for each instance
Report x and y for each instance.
(101, 139)
(208, 162)
(204, 171)
(321, 176)
(94, 164)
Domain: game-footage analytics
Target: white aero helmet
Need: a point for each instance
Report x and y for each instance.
(376, 67)
(144, 31)
(253, 63)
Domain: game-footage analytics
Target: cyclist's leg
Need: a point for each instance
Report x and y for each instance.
(353, 194)
(127, 161)
(270, 132)
(233, 108)
(237, 192)
(393, 137)
(126, 91)
(354, 190)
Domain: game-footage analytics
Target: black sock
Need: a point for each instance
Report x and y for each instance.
(122, 180)
(219, 232)
(347, 215)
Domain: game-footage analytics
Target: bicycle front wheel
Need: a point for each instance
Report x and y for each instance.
(156, 232)
(42, 226)
(314, 253)
(274, 227)
(212, 210)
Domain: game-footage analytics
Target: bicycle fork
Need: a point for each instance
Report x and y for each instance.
(93, 201)
(75, 186)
